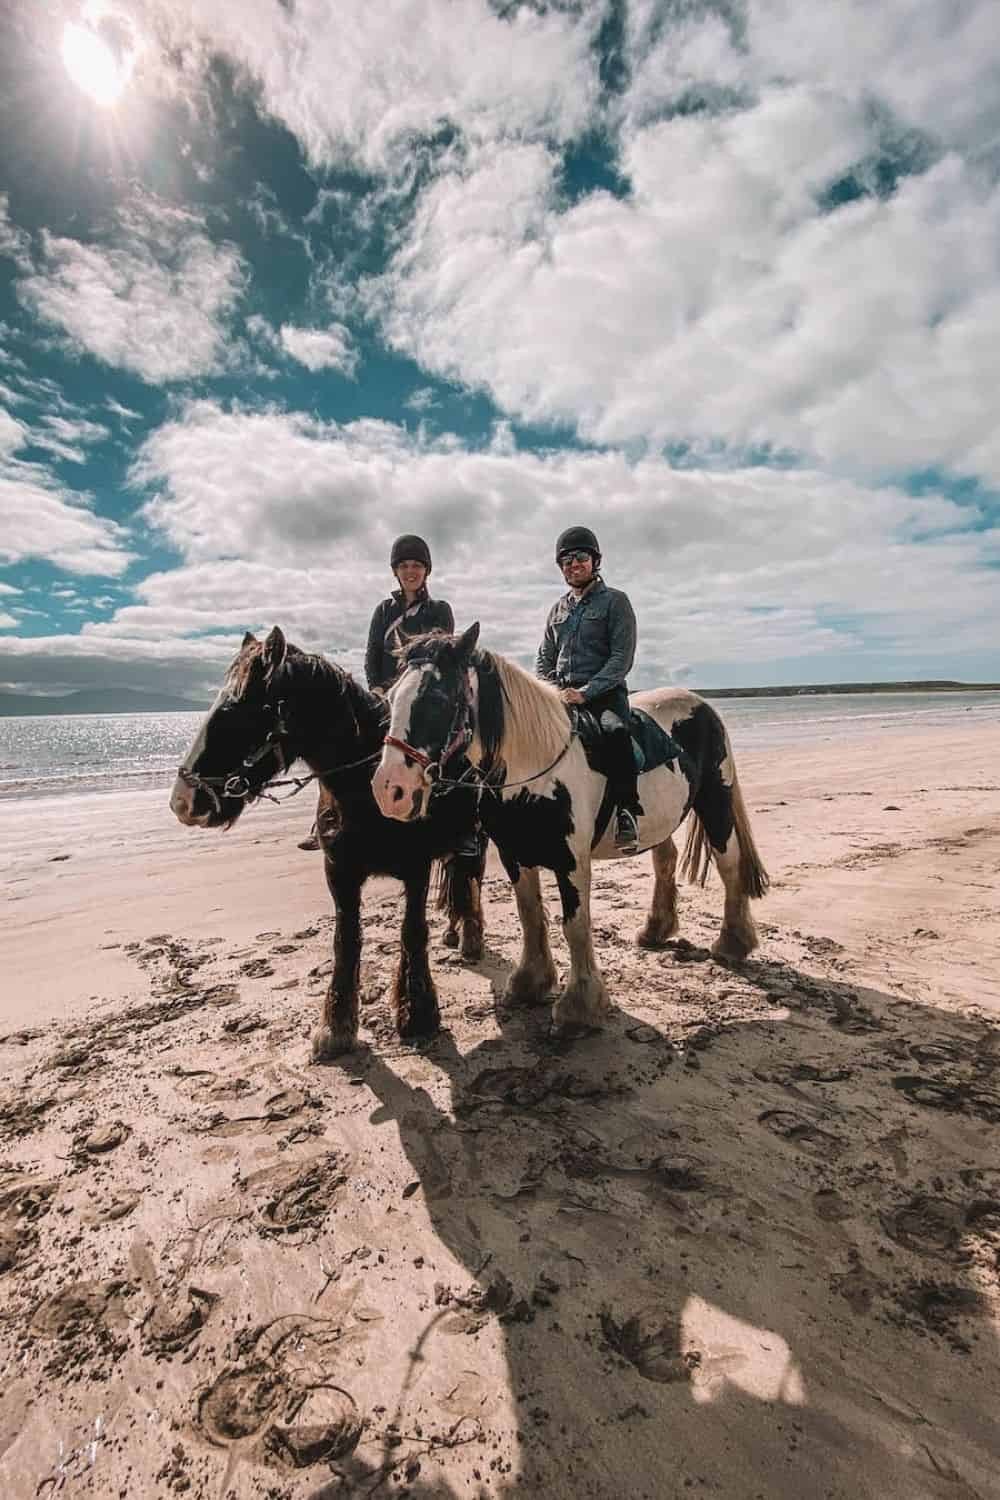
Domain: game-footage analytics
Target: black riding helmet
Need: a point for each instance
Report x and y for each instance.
(578, 539)
(410, 549)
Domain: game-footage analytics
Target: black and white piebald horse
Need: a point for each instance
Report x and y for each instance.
(279, 704)
(547, 803)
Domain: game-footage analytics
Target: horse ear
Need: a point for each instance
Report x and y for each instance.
(248, 640)
(275, 650)
(467, 640)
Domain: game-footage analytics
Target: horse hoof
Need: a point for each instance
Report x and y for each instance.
(528, 989)
(419, 1028)
(652, 940)
(472, 952)
(584, 1004)
(450, 938)
(329, 1042)
(733, 946)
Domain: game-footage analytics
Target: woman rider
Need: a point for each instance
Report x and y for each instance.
(408, 611)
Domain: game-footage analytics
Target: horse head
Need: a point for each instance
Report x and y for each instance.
(246, 739)
(433, 707)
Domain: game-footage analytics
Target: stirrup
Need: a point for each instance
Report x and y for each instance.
(626, 830)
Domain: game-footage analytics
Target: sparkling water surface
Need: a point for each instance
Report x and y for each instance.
(49, 755)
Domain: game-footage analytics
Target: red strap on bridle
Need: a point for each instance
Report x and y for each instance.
(417, 755)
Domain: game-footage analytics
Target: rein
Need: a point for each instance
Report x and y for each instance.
(235, 785)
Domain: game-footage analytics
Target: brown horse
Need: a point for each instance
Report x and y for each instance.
(279, 704)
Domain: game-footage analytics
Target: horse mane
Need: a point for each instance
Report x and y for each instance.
(521, 718)
(249, 666)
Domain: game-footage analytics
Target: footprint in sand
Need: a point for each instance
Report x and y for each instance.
(296, 1197)
(927, 1225)
(800, 1131)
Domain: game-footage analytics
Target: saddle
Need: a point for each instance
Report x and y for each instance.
(651, 745)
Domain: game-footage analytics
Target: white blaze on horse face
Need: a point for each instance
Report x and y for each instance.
(396, 783)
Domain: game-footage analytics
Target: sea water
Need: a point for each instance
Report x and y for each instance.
(57, 754)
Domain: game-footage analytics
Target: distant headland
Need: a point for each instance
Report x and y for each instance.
(819, 688)
(96, 701)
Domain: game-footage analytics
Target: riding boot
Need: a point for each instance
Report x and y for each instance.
(624, 780)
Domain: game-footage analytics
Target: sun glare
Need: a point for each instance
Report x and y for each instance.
(92, 64)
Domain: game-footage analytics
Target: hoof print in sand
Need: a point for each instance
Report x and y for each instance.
(929, 1226)
(800, 1131)
(298, 1197)
(322, 1426)
(652, 1347)
(167, 1329)
(240, 1403)
(257, 1407)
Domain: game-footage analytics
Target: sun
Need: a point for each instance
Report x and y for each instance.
(92, 64)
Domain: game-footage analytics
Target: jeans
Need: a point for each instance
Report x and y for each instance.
(612, 713)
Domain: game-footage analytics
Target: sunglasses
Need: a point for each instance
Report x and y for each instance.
(574, 557)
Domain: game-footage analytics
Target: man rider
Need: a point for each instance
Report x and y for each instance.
(409, 610)
(587, 651)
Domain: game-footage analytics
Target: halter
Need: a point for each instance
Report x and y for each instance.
(459, 737)
(234, 784)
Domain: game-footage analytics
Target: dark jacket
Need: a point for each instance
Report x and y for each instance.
(589, 643)
(392, 623)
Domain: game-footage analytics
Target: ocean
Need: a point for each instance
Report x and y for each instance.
(53, 756)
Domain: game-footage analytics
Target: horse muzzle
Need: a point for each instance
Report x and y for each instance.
(198, 807)
(399, 792)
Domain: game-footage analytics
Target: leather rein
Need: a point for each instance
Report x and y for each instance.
(237, 786)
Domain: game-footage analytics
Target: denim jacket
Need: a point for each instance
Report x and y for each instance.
(589, 643)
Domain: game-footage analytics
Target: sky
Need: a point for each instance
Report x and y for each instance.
(281, 279)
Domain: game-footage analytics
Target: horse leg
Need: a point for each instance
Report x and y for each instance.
(535, 975)
(414, 997)
(584, 1001)
(661, 923)
(338, 1030)
(738, 934)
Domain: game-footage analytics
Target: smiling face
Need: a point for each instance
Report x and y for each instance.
(578, 568)
(412, 576)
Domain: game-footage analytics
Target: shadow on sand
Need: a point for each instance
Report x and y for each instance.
(755, 1258)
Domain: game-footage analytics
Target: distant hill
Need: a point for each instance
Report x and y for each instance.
(850, 687)
(97, 701)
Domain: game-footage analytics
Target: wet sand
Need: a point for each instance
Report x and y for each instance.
(745, 1242)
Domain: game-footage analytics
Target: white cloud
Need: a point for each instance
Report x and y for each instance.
(321, 348)
(359, 83)
(740, 565)
(40, 518)
(717, 304)
(15, 244)
(155, 300)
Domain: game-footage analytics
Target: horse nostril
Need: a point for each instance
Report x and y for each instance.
(398, 794)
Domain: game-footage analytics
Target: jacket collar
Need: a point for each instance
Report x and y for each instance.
(597, 587)
(422, 596)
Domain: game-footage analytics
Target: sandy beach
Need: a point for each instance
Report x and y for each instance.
(744, 1243)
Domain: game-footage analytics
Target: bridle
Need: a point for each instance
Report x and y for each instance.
(237, 786)
(458, 738)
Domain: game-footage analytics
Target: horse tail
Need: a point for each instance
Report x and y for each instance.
(754, 879)
(714, 795)
(697, 856)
